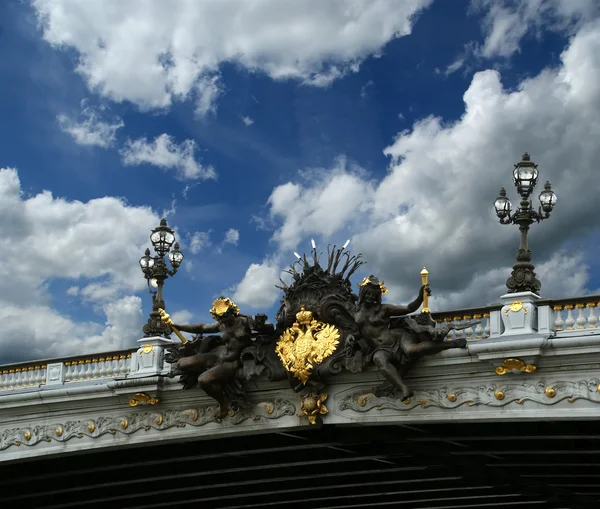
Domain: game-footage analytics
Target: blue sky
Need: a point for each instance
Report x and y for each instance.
(289, 127)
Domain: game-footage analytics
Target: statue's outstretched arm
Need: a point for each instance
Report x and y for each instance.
(392, 310)
(199, 328)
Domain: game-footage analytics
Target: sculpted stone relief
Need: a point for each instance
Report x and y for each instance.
(321, 329)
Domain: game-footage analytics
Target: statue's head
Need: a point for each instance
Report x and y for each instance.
(224, 310)
(371, 290)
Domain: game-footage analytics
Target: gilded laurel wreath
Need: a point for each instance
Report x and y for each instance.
(305, 344)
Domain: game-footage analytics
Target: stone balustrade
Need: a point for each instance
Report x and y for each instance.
(573, 314)
(489, 327)
(72, 369)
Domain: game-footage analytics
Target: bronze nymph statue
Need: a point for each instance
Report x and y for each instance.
(396, 341)
(385, 344)
(214, 362)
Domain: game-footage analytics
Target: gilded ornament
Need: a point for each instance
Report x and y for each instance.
(366, 281)
(166, 318)
(142, 397)
(515, 307)
(550, 392)
(499, 395)
(514, 366)
(306, 343)
(144, 350)
(425, 282)
(91, 427)
(124, 423)
(27, 435)
(59, 431)
(363, 398)
(311, 406)
(159, 419)
(221, 306)
(452, 397)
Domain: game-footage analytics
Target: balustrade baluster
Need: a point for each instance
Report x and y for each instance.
(486, 329)
(115, 371)
(458, 333)
(581, 319)
(558, 319)
(592, 319)
(4, 380)
(468, 330)
(123, 365)
(570, 321)
(94, 368)
(478, 327)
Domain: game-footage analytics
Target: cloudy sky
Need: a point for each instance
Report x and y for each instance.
(254, 126)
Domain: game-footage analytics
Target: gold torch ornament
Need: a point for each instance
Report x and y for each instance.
(166, 318)
(425, 282)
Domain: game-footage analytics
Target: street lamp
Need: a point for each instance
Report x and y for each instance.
(156, 272)
(525, 176)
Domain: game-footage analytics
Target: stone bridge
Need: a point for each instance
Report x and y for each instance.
(509, 421)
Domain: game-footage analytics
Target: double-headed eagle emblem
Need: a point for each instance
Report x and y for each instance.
(306, 344)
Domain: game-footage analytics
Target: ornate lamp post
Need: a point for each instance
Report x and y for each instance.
(525, 176)
(156, 272)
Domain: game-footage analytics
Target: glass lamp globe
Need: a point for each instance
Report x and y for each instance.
(502, 205)
(146, 261)
(176, 256)
(162, 238)
(525, 176)
(547, 198)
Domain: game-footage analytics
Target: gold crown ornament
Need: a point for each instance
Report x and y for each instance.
(304, 317)
(372, 280)
(221, 306)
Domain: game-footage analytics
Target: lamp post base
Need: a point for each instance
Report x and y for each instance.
(522, 277)
(156, 327)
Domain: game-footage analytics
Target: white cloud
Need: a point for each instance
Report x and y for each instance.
(176, 53)
(181, 316)
(232, 236)
(326, 203)
(257, 288)
(506, 22)
(96, 244)
(208, 90)
(165, 153)
(199, 241)
(93, 129)
(247, 120)
(454, 66)
(434, 207)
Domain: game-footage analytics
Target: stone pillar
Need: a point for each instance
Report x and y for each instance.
(519, 313)
(149, 359)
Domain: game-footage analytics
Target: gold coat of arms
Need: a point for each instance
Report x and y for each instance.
(305, 344)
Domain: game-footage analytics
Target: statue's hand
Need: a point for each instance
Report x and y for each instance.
(426, 289)
(165, 317)
(260, 319)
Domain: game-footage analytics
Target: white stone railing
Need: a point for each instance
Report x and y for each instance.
(59, 371)
(574, 314)
(489, 316)
(20, 377)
